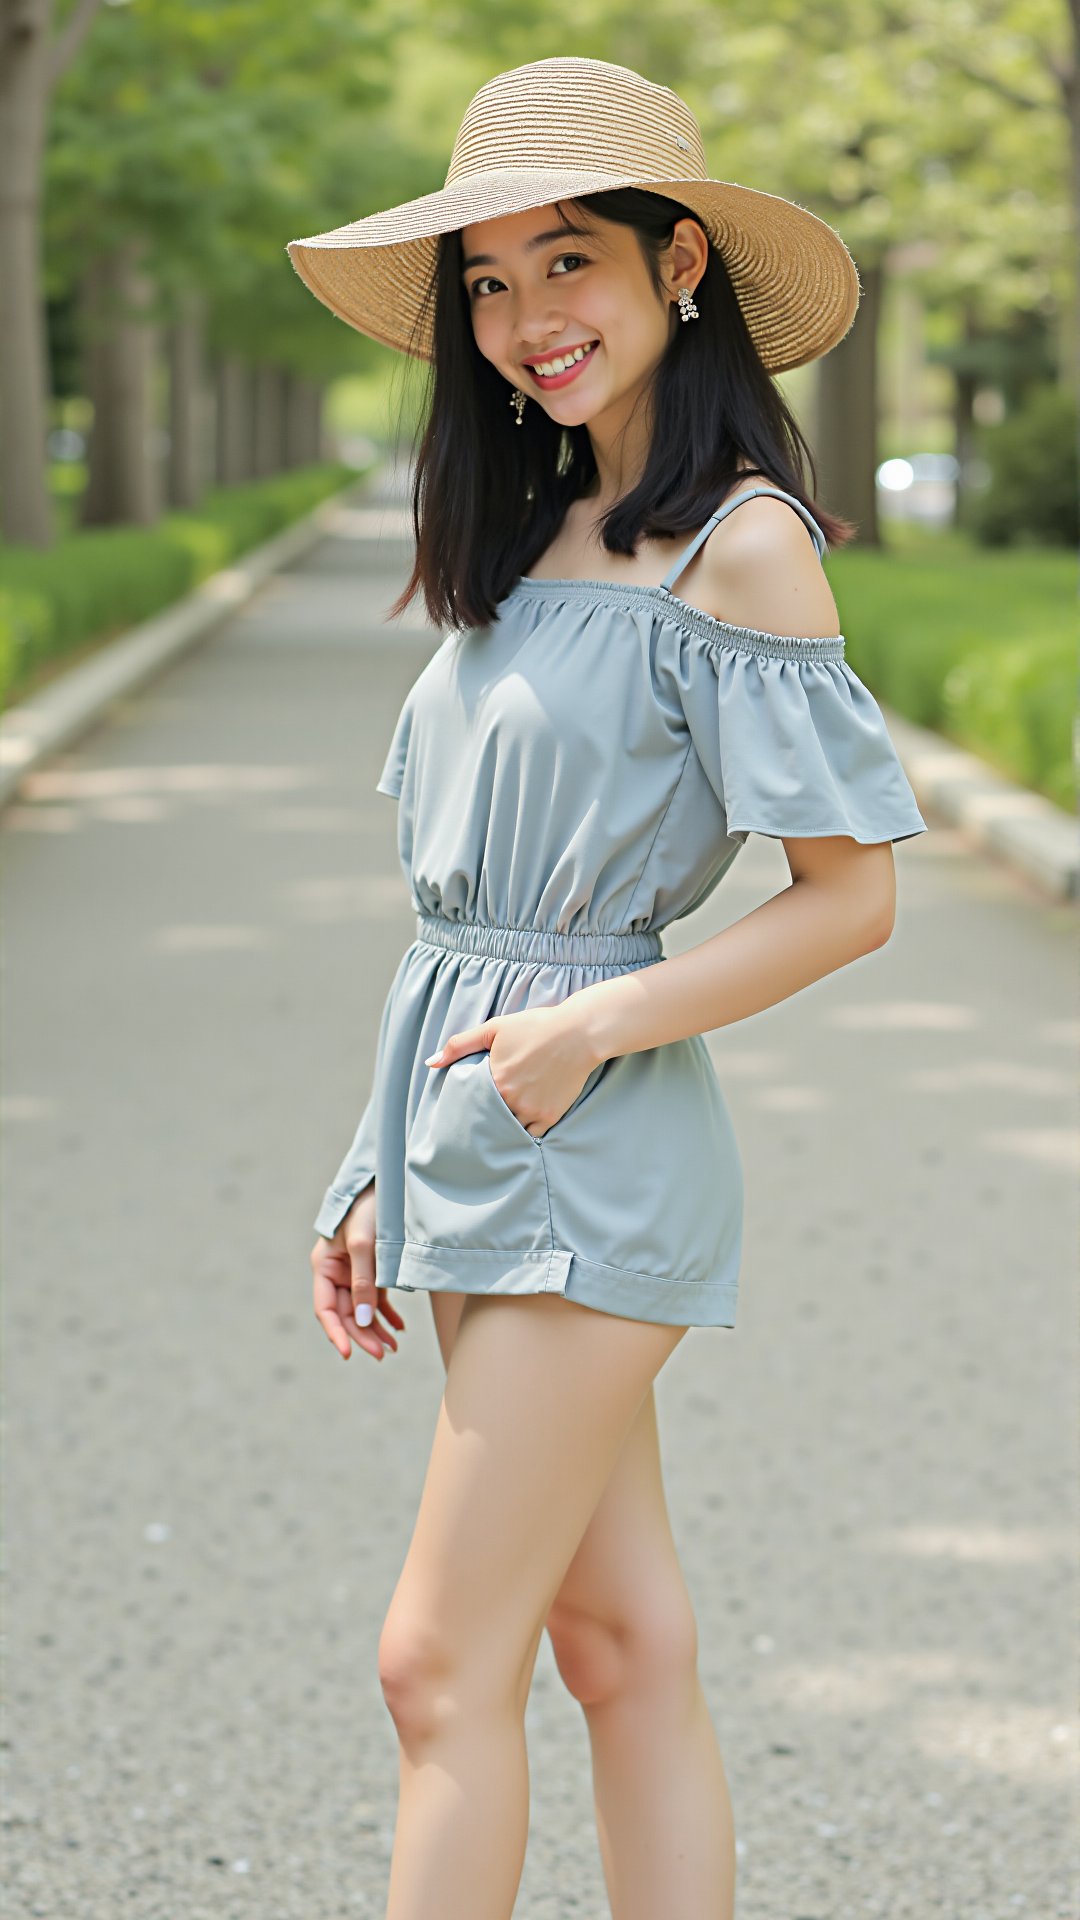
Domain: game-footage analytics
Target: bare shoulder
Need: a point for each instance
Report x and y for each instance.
(759, 568)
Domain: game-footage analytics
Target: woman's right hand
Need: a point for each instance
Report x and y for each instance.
(344, 1281)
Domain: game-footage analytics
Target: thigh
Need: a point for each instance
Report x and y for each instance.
(446, 1311)
(626, 1565)
(540, 1396)
(625, 1584)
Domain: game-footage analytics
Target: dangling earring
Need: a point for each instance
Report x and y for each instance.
(687, 309)
(518, 399)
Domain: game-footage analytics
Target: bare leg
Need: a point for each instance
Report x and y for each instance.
(625, 1641)
(540, 1396)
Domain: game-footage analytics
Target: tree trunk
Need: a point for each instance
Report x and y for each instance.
(847, 416)
(314, 436)
(303, 406)
(123, 481)
(269, 420)
(965, 387)
(25, 503)
(187, 405)
(1070, 86)
(295, 408)
(235, 427)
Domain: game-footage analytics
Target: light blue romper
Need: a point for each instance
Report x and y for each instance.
(571, 778)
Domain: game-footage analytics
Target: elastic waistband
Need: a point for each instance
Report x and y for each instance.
(541, 943)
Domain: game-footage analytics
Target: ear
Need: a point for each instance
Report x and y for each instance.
(687, 255)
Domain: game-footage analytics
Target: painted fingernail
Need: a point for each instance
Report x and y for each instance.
(433, 1059)
(364, 1314)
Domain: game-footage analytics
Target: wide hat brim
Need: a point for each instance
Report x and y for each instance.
(795, 280)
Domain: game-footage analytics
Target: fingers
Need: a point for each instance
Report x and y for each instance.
(346, 1300)
(472, 1040)
(325, 1301)
(360, 1247)
(388, 1310)
(371, 1335)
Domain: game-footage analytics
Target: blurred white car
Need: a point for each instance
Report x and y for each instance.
(921, 486)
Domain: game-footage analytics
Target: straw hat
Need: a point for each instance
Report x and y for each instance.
(568, 126)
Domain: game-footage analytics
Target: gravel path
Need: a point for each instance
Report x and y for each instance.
(872, 1481)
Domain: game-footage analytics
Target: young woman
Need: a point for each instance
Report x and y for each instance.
(577, 766)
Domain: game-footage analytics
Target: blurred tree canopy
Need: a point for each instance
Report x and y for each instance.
(189, 140)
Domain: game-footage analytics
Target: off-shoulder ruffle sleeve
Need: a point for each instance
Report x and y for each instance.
(393, 769)
(790, 739)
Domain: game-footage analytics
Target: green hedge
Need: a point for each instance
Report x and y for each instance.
(1034, 493)
(980, 645)
(95, 583)
(977, 644)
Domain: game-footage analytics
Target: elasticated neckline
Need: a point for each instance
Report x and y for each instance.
(716, 633)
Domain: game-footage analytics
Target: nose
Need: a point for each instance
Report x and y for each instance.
(538, 341)
(534, 332)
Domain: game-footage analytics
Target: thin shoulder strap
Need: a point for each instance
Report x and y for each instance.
(688, 553)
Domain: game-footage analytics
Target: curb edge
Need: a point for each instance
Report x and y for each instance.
(1021, 827)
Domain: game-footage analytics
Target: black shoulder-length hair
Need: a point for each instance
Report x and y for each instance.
(489, 497)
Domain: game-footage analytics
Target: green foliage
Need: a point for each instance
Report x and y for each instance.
(211, 132)
(96, 582)
(1034, 491)
(1013, 707)
(976, 644)
(214, 131)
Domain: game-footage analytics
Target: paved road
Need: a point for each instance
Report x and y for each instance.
(872, 1480)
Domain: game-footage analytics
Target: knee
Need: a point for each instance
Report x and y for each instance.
(415, 1674)
(428, 1678)
(650, 1644)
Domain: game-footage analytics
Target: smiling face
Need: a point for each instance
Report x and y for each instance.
(539, 292)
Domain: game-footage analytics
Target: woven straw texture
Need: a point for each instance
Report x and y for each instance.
(567, 126)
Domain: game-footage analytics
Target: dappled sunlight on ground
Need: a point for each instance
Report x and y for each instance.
(332, 899)
(1010, 1076)
(304, 820)
(865, 1682)
(1005, 1737)
(58, 798)
(200, 781)
(926, 1016)
(1010, 1739)
(795, 1099)
(1058, 1033)
(743, 1063)
(1057, 1147)
(27, 1106)
(981, 1545)
(208, 939)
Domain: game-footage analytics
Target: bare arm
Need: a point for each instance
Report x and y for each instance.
(841, 904)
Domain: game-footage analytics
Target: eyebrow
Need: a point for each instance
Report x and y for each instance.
(538, 240)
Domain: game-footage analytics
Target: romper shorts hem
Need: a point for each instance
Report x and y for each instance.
(414, 1267)
(335, 1204)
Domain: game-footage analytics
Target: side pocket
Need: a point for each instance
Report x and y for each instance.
(590, 1086)
(504, 1104)
(474, 1176)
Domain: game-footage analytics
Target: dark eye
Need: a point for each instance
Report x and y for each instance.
(474, 290)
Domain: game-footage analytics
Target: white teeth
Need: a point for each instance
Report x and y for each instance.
(550, 367)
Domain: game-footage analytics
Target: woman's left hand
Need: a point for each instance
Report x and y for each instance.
(540, 1060)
